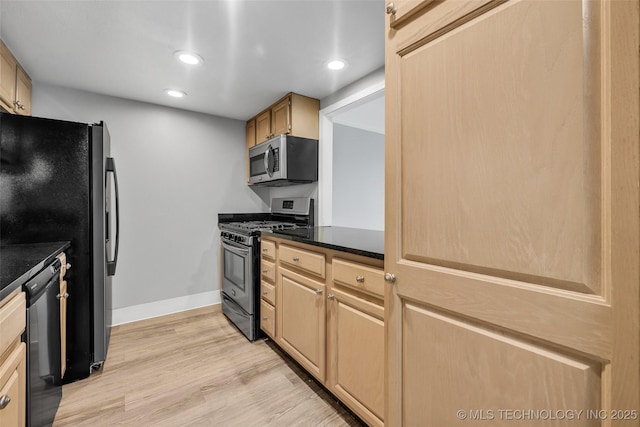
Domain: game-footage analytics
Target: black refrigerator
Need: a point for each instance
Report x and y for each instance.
(58, 182)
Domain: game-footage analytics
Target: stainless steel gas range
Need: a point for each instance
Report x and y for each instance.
(240, 261)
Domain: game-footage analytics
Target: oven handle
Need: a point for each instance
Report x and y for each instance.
(235, 249)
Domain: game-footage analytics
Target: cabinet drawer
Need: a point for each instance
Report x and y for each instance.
(12, 321)
(268, 249)
(308, 261)
(268, 271)
(268, 292)
(268, 318)
(359, 276)
(13, 385)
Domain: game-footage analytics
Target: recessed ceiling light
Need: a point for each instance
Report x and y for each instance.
(175, 93)
(336, 64)
(189, 57)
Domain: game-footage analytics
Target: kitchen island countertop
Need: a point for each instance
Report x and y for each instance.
(369, 243)
(18, 263)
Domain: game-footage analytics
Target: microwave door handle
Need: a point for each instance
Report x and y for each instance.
(267, 155)
(266, 160)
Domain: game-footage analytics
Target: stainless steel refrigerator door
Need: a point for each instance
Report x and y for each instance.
(104, 240)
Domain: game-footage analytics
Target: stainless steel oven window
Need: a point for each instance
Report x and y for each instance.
(235, 266)
(237, 275)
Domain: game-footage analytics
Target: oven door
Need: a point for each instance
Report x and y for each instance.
(237, 274)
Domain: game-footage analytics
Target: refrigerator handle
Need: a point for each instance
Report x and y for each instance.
(111, 265)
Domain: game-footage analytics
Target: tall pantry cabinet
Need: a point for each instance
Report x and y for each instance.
(512, 211)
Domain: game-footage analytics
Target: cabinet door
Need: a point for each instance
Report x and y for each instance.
(268, 318)
(263, 126)
(23, 93)
(251, 141)
(301, 320)
(8, 69)
(251, 133)
(13, 388)
(281, 117)
(356, 354)
(512, 220)
(12, 321)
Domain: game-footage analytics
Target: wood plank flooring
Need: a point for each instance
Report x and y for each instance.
(195, 369)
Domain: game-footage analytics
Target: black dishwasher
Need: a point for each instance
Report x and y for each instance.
(42, 336)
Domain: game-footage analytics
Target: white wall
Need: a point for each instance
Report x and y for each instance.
(361, 92)
(358, 178)
(176, 170)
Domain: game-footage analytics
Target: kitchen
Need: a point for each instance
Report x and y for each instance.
(177, 183)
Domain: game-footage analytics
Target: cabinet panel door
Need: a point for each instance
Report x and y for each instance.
(357, 356)
(251, 133)
(268, 318)
(281, 117)
(302, 319)
(10, 415)
(512, 220)
(7, 76)
(311, 262)
(23, 93)
(250, 141)
(268, 292)
(268, 249)
(13, 384)
(12, 321)
(263, 126)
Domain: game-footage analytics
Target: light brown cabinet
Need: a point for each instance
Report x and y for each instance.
(263, 126)
(293, 114)
(13, 385)
(15, 84)
(268, 293)
(8, 72)
(355, 337)
(251, 141)
(511, 159)
(301, 320)
(329, 310)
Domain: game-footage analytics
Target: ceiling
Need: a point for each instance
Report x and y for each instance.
(255, 51)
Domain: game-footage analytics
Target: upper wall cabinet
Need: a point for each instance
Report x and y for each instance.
(293, 115)
(15, 84)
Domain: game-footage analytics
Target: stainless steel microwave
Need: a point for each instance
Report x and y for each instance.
(283, 160)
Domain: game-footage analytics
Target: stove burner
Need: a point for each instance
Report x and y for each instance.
(250, 226)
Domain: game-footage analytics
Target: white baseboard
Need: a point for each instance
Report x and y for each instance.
(164, 307)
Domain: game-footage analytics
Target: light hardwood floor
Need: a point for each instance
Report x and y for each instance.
(195, 369)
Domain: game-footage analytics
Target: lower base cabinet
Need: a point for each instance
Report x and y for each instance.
(329, 311)
(302, 320)
(13, 388)
(13, 361)
(356, 366)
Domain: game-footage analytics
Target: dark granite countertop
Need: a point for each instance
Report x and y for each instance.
(369, 243)
(18, 263)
